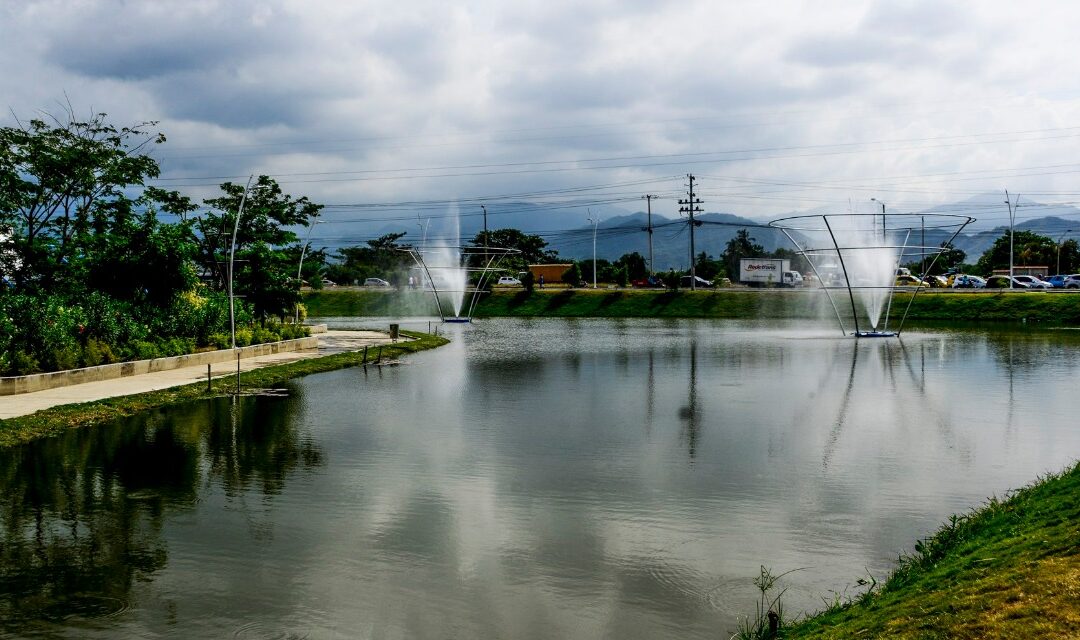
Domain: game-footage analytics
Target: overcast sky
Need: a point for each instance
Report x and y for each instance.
(775, 106)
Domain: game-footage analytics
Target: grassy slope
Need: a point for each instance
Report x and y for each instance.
(15, 431)
(1008, 570)
(1053, 309)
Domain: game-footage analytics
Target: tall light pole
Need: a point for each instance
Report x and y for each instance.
(594, 222)
(232, 255)
(300, 268)
(1013, 206)
(1060, 240)
(882, 218)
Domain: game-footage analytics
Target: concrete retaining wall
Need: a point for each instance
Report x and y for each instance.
(41, 381)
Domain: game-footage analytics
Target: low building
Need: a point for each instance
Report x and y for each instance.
(551, 272)
(1039, 271)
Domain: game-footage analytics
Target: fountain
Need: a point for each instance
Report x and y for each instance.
(861, 254)
(452, 271)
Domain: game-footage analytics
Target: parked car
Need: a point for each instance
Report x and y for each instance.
(684, 282)
(1033, 283)
(508, 281)
(938, 282)
(376, 282)
(1072, 281)
(907, 280)
(1057, 281)
(966, 281)
(326, 282)
(1002, 282)
(650, 282)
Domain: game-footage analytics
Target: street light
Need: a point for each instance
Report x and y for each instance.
(1067, 232)
(299, 269)
(594, 223)
(232, 256)
(882, 217)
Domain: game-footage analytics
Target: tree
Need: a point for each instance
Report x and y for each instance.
(1029, 249)
(634, 265)
(262, 274)
(383, 257)
(572, 276)
(61, 181)
(532, 248)
(739, 247)
(705, 266)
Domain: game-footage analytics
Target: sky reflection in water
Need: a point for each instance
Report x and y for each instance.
(533, 479)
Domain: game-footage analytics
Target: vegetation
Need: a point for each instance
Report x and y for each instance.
(1031, 307)
(91, 271)
(16, 431)
(1030, 248)
(1010, 569)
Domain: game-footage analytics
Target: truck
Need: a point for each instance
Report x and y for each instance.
(758, 272)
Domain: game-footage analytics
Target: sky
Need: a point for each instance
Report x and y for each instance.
(379, 109)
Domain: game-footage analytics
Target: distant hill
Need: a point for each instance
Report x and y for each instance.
(565, 227)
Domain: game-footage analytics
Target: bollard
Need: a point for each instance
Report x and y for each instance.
(209, 386)
(395, 330)
(365, 354)
(238, 372)
(774, 624)
(378, 358)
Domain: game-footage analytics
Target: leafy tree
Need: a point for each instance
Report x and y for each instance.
(572, 276)
(1029, 249)
(533, 249)
(60, 179)
(381, 258)
(262, 273)
(798, 261)
(742, 245)
(705, 266)
(634, 265)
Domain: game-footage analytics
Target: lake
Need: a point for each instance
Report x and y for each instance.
(533, 479)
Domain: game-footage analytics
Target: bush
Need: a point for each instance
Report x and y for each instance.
(96, 352)
(572, 276)
(243, 337)
(143, 350)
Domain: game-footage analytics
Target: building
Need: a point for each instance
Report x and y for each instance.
(1039, 271)
(551, 272)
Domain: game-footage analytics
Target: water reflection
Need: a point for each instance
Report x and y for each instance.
(83, 513)
(570, 479)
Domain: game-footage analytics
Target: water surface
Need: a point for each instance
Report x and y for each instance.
(533, 479)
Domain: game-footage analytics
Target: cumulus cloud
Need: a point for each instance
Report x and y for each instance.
(322, 87)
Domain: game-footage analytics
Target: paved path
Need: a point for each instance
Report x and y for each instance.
(330, 343)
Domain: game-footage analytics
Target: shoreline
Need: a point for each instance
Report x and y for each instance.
(1052, 309)
(27, 428)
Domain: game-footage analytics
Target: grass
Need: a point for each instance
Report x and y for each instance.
(1052, 309)
(16, 431)
(1010, 569)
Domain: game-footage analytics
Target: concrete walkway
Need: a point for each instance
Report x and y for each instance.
(330, 343)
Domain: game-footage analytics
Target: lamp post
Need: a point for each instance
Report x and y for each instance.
(300, 268)
(232, 256)
(1060, 240)
(594, 223)
(882, 217)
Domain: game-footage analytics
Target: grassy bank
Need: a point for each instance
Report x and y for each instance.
(15, 431)
(1010, 569)
(1055, 309)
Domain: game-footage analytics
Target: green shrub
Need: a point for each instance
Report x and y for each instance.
(23, 363)
(97, 353)
(243, 337)
(261, 335)
(143, 350)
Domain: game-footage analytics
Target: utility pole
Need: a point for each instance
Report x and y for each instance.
(648, 203)
(594, 222)
(485, 224)
(1012, 219)
(689, 206)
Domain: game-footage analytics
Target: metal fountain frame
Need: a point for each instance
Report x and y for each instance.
(937, 222)
(493, 256)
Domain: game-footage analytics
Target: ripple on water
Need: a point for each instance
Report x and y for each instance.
(257, 630)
